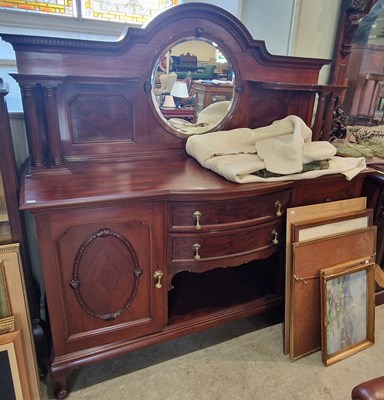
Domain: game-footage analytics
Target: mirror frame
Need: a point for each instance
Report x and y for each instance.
(181, 37)
(157, 109)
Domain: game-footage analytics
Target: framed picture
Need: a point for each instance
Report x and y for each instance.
(335, 225)
(347, 309)
(308, 258)
(17, 297)
(5, 308)
(7, 324)
(305, 214)
(13, 377)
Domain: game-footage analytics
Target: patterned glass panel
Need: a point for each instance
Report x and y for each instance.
(136, 11)
(61, 7)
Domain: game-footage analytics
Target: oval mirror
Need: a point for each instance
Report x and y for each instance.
(193, 87)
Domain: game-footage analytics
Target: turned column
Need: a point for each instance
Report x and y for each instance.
(329, 95)
(32, 125)
(53, 129)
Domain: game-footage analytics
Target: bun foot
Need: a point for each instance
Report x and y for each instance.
(61, 390)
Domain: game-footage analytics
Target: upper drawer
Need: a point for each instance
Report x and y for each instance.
(200, 215)
(326, 189)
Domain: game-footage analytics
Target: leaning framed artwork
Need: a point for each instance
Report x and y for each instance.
(308, 258)
(336, 225)
(298, 215)
(5, 308)
(347, 309)
(13, 279)
(13, 377)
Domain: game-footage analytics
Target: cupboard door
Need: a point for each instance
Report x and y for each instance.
(100, 270)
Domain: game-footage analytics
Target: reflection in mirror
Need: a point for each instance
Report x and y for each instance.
(193, 87)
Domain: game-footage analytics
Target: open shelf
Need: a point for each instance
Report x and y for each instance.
(252, 286)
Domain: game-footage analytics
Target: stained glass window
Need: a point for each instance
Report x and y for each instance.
(61, 7)
(124, 10)
(133, 11)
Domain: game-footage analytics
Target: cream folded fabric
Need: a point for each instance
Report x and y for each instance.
(282, 147)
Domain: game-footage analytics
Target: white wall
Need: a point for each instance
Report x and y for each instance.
(303, 28)
(269, 20)
(316, 28)
(314, 31)
(8, 65)
(232, 6)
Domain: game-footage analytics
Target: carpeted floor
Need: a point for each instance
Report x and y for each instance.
(238, 361)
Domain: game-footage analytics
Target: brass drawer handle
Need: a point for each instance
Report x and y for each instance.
(274, 237)
(278, 208)
(197, 216)
(158, 275)
(196, 247)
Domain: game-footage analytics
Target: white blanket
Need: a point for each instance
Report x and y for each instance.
(282, 147)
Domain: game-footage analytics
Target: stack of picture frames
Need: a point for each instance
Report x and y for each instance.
(19, 379)
(330, 278)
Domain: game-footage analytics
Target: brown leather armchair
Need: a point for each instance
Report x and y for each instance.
(369, 390)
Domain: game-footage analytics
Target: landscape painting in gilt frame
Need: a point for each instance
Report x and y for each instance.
(347, 309)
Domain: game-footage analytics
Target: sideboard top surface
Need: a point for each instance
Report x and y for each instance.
(116, 182)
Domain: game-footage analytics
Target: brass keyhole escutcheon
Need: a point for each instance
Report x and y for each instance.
(158, 275)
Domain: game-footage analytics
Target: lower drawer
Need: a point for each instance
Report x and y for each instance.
(200, 252)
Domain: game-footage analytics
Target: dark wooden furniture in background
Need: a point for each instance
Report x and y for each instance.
(12, 228)
(187, 113)
(208, 92)
(187, 59)
(373, 189)
(352, 13)
(139, 243)
(366, 62)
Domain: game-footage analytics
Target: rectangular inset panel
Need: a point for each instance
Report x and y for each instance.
(97, 116)
(100, 117)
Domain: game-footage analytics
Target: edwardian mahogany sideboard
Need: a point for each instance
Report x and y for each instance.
(139, 243)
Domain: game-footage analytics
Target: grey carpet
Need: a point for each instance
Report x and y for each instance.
(239, 361)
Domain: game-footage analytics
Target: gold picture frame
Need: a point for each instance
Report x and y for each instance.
(5, 307)
(347, 309)
(13, 379)
(7, 324)
(335, 225)
(12, 266)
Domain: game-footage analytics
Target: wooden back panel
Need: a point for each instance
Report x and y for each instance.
(93, 100)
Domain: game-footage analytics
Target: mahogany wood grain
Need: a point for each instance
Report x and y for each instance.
(109, 183)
